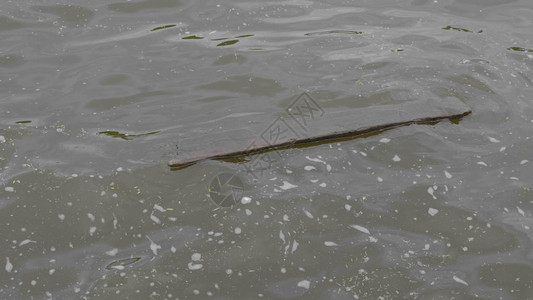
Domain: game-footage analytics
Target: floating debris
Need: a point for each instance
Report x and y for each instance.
(333, 32)
(520, 49)
(192, 37)
(459, 29)
(163, 27)
(125, 136)
(355, 123)
(227, 43)
(120, 264)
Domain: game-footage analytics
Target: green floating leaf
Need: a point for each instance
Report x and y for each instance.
(120, 264)
(124, 136)
(192, 37)
(23, 122)
(244, 36)
(163, 27)
(398, 50)
(520, 49)
(227, 43)
(456, 28)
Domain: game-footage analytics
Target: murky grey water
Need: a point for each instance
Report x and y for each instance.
(96, 98)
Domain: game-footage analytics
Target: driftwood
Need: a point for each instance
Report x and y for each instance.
(315, 126)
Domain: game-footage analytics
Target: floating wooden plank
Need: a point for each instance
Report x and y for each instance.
(312, 126)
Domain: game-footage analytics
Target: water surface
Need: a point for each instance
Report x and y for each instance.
(96, 98)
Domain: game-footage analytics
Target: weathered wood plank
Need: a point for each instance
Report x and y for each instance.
(299, 130)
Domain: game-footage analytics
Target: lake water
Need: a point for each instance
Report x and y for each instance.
(97, 96)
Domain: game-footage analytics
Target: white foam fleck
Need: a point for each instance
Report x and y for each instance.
(459, 280)
(282, 236)
(432, 211)
(309, 168)
(294, 246)
(155, 219)
(196, 257)
(493, 140)
(328, 167)
(112, 252)
(237, 230)
(92, 229)
(24, 242)
(61, 217)
(482, 163)
(384, 140)
(115, 221)
(9, 265)
(246, 200)
(520, 211)
(525, 161)
(330, 244)
(194, 267)
(304, 284)
(2, 139)
(159, 208)
(360, 228)
(447, 174)
(431, 191)
(315, 159)
(153, 246)
(396, 158)
(9, 189)
(287, 185)
(308, 214)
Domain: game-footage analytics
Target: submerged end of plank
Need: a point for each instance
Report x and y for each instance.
(455, 113)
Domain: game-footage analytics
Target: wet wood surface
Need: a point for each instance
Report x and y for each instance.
(307, 127)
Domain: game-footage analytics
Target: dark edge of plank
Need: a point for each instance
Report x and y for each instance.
(177, 164)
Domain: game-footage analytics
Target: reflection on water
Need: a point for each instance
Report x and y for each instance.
(96, 98)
